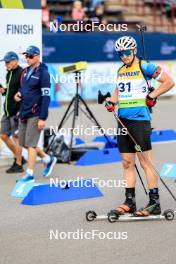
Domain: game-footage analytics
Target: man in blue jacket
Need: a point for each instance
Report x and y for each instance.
(34, 96)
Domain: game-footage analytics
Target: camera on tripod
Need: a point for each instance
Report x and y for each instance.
(75, 104)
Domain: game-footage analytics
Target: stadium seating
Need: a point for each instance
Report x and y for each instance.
(158, 15)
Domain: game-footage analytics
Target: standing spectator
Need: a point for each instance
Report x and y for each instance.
(98, 15)
(9, 121)
(45, 14)
(78, 12)
(34, 95)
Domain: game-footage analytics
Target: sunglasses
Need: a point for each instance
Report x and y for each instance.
(125, 53)
(27, 56)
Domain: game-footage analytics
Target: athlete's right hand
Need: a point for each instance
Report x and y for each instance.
(110, 106)
(17, 97)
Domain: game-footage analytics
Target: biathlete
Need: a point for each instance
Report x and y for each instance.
(135, 100)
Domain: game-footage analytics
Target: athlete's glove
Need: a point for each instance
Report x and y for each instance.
(150, 102)
(110, 106)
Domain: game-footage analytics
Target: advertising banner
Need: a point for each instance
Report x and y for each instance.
(98, 76)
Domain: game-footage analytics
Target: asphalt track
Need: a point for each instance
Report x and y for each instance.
(25, 230)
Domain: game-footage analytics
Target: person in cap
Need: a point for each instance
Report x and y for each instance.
(135, 98)
(9, 121)
(34, 98)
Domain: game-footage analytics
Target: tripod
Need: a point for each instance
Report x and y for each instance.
(75, 102)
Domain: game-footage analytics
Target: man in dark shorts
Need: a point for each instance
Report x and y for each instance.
(34, 96)
(134, 100)
(9, 121)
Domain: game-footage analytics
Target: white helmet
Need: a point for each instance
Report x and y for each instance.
(125, 43)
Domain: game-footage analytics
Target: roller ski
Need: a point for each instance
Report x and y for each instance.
(113, 216)
(127, 211)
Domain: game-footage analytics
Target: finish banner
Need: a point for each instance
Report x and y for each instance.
(20, 26)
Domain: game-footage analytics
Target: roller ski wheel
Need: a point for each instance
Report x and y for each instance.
(90, 216)
(169, 214)
(113, 216)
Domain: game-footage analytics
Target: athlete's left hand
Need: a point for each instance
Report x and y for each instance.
(41, 124)
(150, 102)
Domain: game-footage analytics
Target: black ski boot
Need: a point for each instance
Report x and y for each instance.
(129, 206)
(153, 207)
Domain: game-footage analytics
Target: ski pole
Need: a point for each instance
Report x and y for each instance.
(141, 179)
(138, 149)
